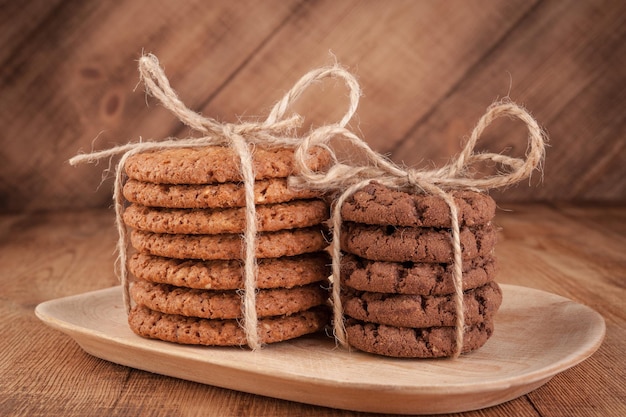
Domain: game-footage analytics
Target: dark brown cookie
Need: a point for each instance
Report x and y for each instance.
(215, 164)
(285, 272)
(225, 195)
(413, 277)
(229, 246)
(270, 218)
(197, 331)
(417, 244)
(377, 204)
(401, 310)
(210, 304)
(408, 342)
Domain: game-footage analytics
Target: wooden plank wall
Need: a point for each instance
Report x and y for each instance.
(428, 69)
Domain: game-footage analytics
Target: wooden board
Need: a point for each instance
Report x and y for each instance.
(537, 336)
(68, 82)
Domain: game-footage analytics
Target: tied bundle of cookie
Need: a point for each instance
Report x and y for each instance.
(397, 289)
(187, 215)
(412, 255)
(226, 252)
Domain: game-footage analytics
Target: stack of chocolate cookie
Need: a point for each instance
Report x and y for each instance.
(187, 214)
(396, 272)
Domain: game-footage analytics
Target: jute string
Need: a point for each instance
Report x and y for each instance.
(276, 130)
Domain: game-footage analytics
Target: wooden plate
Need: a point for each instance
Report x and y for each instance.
(537, 335)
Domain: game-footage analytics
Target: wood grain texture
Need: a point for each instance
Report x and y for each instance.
(574, 251)
(69, 83)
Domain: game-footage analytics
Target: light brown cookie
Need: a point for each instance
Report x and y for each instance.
(225, 195)
(401, 310)
(417, 244)
(408, 342)
(229, 246)
(197, 331)
(377, 204)
(210, 304)
(284, 272)
(215, 164)
(413, 277)
(270, 218)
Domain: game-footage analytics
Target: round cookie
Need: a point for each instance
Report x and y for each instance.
(270, 218)
(413, 277)
(480, 304)
(377, 204)
(229, 246)
(215, 164)
(225, 195)
(284, 272)
(401, 244)
(210, 304)
(197, 331)
(407, 342)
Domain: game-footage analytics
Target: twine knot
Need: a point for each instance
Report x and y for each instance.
(420, 180)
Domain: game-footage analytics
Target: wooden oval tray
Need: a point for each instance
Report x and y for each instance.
(537, 335)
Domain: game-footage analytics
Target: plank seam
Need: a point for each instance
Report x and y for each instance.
(245, 62)
(473, 68)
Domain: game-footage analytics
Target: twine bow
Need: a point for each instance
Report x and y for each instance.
(275, 130)
(348, 179)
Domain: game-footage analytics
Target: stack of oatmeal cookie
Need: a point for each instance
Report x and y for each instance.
(187, 214)
(397, 285)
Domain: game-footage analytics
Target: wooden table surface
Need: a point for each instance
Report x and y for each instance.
(576, 252)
